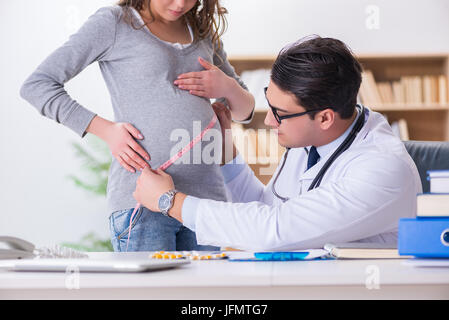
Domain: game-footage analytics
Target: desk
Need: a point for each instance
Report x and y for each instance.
(222, 279)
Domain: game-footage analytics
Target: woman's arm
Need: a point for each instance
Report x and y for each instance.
(44, 89)
(241, 102)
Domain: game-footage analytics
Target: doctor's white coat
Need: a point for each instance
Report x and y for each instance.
(361, 198)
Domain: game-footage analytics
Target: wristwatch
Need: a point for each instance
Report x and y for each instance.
(166, 201)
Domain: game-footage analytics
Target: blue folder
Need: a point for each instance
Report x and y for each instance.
(424, 237)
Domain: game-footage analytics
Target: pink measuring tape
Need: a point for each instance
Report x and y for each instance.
(172, 160)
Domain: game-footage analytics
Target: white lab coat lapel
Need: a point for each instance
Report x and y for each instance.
(294, 180)
(287, 184)
(306, 179)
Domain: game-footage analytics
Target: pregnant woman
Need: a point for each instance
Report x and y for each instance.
(162, 61)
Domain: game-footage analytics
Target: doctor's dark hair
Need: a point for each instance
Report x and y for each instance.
(321, 72)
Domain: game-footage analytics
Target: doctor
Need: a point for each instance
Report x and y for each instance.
(344, 177)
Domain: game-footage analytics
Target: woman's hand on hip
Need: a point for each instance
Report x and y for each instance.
(120, 138)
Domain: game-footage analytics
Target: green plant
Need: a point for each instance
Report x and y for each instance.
(97, 169)
(90, 242)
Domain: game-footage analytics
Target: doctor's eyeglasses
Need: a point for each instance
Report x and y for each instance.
(280, 118)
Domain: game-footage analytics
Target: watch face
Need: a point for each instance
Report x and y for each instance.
(164, 202)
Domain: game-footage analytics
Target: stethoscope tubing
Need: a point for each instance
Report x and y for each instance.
(342, 148)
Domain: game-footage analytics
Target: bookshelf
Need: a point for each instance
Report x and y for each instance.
(423, 105)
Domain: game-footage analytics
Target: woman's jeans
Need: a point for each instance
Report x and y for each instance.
(151, 231)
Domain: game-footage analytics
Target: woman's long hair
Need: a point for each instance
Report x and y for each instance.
(206, 18)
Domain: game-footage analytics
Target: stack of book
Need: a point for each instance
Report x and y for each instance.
(427, 90)
(427, 235)
(257, 146)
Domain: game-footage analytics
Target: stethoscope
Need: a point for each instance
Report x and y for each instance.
(342, 148)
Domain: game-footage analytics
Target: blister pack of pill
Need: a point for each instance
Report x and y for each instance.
(192, 255)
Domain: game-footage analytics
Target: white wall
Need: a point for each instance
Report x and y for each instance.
(38, 202)
(265, 26)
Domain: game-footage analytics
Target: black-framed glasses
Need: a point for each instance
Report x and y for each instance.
(288, 116)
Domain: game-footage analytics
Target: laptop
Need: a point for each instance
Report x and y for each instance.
(90, 265)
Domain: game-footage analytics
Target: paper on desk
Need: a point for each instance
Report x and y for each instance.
(436, 262)
(316, 253)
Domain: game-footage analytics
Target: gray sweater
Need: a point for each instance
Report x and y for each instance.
(139, 70)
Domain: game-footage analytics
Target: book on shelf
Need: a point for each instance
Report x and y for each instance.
(398, 92)
(428, 97)
(369, 92)
(257, 146)
(256, 80)
(400, 129)
(426, 90)
(442, 89)
(386, 92)
(439, 181)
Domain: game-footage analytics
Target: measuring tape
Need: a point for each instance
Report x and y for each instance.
(172, 160)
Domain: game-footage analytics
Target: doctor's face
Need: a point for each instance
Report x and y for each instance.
(295, 132)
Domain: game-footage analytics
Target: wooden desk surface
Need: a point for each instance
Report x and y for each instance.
(222, 279)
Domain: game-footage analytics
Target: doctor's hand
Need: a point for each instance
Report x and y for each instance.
(224, 117)
(151, 184)
(229, 151)
(210, 83)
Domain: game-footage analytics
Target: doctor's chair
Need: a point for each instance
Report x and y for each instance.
(428, 155)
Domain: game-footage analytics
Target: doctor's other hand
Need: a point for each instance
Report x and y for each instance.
(150, 185)
(224, 116)
(120, 139)
(211, 83)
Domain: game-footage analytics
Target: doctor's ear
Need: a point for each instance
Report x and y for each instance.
(326, 118)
